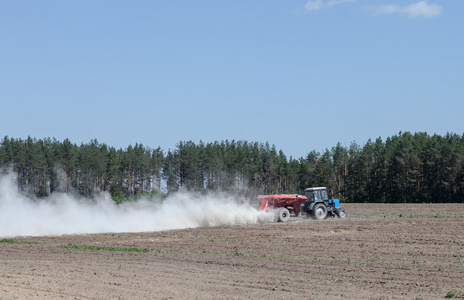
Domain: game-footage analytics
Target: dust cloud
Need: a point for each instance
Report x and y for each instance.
(61, 213)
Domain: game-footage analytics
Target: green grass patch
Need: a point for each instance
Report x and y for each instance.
(454, 294)
(98, 248)
(11, 241)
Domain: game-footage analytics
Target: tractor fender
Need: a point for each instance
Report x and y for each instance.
(311, 206)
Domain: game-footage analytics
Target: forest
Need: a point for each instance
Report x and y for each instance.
(405, 168)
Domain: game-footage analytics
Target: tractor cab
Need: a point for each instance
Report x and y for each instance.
(316, 194)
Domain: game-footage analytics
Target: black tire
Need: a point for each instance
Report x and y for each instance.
(304, 210)
(283, 215)
(308, 213)
(341, 213)
(319, 211)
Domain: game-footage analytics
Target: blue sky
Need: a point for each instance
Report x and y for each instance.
(302, 75)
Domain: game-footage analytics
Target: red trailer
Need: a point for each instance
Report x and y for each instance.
(282, 205)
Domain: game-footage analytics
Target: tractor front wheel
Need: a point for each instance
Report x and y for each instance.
(319, 211)
(283, 214)
(341, 212)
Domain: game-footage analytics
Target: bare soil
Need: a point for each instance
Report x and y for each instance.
(377, 252)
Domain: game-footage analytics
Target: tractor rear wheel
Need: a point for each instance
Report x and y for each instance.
(341, 212)
(319, 211)
(283, 214)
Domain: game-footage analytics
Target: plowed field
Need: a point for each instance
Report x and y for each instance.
(377, 252)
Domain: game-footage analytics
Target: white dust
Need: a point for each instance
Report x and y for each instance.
(62, 213)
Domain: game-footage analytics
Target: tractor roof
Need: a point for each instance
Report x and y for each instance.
(315, 188)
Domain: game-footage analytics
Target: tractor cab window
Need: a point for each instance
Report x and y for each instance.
(323, 195)
(309, 196)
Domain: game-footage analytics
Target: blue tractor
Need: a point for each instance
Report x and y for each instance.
(318, 205)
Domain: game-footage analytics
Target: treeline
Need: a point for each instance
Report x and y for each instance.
(405, 168)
